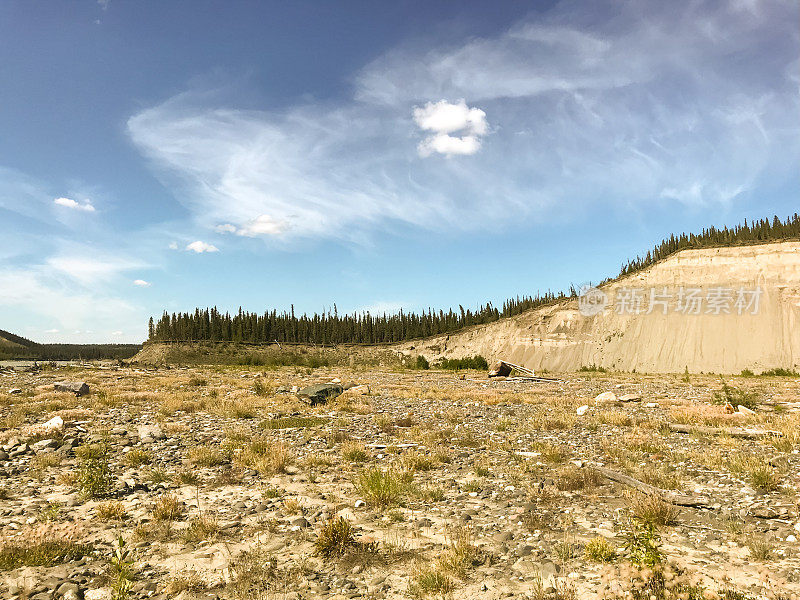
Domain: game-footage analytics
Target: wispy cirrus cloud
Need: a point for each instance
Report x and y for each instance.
(624, 103)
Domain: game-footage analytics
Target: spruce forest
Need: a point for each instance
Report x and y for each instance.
(365, 328)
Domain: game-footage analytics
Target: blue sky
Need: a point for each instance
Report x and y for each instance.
(167, 155)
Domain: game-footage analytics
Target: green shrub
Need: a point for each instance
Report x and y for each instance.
(735, 396)
(421, 363)
(592, 369)
(780, 373)
(380, 488)
(94, 476)
(335, 538)
(457, 364)
(599, 550)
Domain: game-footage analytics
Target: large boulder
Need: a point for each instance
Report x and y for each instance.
(79, 388)
(500, 369)
(320, 393)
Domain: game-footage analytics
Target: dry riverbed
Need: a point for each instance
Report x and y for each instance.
(220, 483)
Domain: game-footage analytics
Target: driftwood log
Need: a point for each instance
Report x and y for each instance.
(746, 433)
(650, 490)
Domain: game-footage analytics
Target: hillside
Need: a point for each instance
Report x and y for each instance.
(13, 347)
(560, 338)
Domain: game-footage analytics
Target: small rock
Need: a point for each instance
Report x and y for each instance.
(320, 393)
(605, 399)
(630, 398)
(79, 388)
(581, 410)
(744, 410)
(15, 391)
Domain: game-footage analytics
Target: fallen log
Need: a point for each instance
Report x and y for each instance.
(747, 433)
(650, 490)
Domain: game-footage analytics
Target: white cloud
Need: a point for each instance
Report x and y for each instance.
(444, 118)
(261, 225)
(626, 103)
(200, 247)
(79, 265)
(116, 333)
(141, 283)
(173, 245)
(39, 293)
(51, 330)
(87, 206)
(449, 145)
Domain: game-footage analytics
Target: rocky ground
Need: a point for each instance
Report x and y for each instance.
(220, 483)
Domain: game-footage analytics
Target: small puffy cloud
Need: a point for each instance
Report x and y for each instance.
(116, 333)
(449, 145)
(261, 225)
(141, 283)
(201, 247)
(51, 330)
(74, 204)
(173, 245)
(443, 118)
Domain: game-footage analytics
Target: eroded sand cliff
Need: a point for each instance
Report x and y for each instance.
(729, 331)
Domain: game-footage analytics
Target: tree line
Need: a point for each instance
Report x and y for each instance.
(330, 327)
(755, 232)
(13, 347)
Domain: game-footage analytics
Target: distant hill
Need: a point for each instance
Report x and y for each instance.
(13, 347)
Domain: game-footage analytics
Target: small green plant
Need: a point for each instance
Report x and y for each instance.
(421, 363)
(761, 550)
(652, 509)
(207, 456)
(642, 544)
(735, 397)
(599, 550)
(764, 477)
(260, 388)
(203, 527)
(156, 475)
(187, 477)
(747, 373)
(94, 476)
(121, 570)
(197, 382)
(380, 488)
(50, 512)
(167, 508)
(335, 538)
(354, 452)
(461, 553)
(429, 581)
(137, 458)
(685, 377)
(111, 511)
